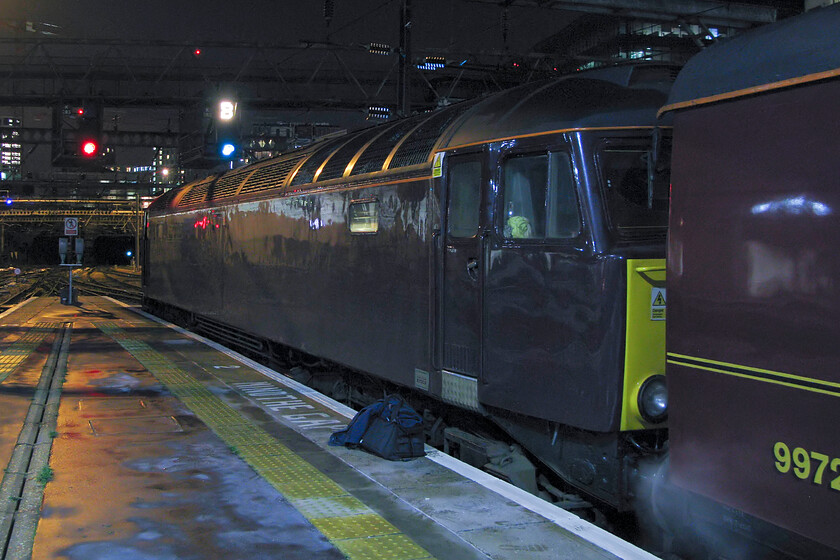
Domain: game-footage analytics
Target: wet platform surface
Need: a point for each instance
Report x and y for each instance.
(122, 437)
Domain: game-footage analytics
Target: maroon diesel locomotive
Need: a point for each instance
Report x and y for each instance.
(753, 338)
(501, 259)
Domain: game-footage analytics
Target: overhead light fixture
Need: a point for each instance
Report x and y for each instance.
(432, 63)
(379, 48)
(378, 112)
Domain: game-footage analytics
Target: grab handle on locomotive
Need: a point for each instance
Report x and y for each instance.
(472, 268)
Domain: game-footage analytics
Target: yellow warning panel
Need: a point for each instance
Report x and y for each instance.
(332, 506)
(386, 547)
(351, 526)
(12, 357)
(316, 487)
(354, 526)
(437, 166)
(644, 345)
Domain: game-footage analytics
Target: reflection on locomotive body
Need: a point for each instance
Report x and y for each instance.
(479, 257)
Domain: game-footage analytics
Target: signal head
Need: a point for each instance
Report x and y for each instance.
(228, 149)
(90, 148)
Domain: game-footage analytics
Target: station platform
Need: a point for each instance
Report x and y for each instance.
(126, 437)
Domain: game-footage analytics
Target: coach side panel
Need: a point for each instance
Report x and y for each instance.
(753, 301)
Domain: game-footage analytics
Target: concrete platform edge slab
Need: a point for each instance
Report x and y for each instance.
(562, 518)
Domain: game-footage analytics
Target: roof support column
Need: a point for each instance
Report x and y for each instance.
(405, 58)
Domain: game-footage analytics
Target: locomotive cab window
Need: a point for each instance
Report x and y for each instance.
(636, 186)
(464, 198)
(364, 216)
(540, 200)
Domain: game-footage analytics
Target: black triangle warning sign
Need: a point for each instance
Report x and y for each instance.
(659, 300)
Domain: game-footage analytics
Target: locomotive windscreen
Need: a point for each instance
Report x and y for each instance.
(636, 186)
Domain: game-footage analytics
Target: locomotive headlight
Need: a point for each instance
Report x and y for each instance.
(653, 399)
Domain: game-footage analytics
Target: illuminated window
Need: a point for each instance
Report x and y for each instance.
(364, 216)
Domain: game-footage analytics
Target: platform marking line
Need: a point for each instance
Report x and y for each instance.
(355, 529)
(562, 518)
(13, 356)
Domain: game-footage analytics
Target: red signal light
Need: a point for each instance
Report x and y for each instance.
(90, 148)
(80, 111)
(196, 52)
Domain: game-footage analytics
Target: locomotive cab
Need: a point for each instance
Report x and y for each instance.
(551, 296)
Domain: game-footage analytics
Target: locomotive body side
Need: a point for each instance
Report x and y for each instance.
(488, 277)
(753, 363)
(289, 270)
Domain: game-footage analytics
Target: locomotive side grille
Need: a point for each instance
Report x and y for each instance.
(373, 158)
(460, 358)
(338, 163)
(306, 173)
(226, 186)
(228, 334)
(197, 194)
(271, 176)
(418, 146)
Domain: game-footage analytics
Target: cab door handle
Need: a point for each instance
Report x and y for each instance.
(472, 268)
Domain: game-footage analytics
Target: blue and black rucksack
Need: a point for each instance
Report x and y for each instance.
(389, 428)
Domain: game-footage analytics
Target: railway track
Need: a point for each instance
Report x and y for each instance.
(17, 285)
(108, 281)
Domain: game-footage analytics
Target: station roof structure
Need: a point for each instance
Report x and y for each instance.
(153, 72)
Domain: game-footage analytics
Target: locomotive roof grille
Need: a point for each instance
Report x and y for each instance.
(198, 192)
(164, 200)
(272, 175)
(579, 101)
(336, 165)
(373, 158)
(418, 147)
(306, 173)
(227, 185)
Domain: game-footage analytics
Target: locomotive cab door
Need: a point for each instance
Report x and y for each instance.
(460, 284)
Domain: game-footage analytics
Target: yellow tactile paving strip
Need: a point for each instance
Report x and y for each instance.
(355, 529)
(13, 356)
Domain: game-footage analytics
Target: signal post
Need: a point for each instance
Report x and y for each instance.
(67, 246)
